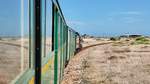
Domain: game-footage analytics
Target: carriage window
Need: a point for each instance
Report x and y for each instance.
(48, 27)
(14, 39)
(43, 25)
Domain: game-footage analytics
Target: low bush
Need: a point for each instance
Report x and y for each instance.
(141, 40)
(113, 39)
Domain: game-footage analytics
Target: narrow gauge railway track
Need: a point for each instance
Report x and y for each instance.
(87, 47)
(93, 45)
(77, 60)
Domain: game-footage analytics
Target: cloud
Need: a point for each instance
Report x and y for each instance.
(78, 23)
(130, 19)
(75, 22)
(124, 19)
(125, 16)
(130, 13)
(110, 18)
(125, 13)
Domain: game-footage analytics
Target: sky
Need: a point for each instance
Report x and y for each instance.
(94, 17)
(108, 17)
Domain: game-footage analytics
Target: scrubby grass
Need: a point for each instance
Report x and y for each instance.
(114, 38)
(120, 43)
(141, 40)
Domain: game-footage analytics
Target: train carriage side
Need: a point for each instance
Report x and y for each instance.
(52, 44)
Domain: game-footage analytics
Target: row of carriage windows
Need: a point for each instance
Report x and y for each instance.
(16, 37)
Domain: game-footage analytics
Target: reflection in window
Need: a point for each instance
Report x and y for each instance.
(14, 39)
(43, 24)
(48, 26)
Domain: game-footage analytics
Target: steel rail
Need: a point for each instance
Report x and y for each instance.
(93, 45)
(87, 47)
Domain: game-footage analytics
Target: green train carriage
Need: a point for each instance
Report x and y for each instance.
(48, 58)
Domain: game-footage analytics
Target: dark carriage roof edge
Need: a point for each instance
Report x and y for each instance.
(58, 6)
(71, 29)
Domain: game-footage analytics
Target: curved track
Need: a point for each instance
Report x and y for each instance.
(93, 45)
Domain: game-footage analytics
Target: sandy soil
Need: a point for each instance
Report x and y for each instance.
(110, 64)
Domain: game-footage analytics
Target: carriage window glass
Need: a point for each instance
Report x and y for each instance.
(48, 27)
(43, 26)
(14, 39)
